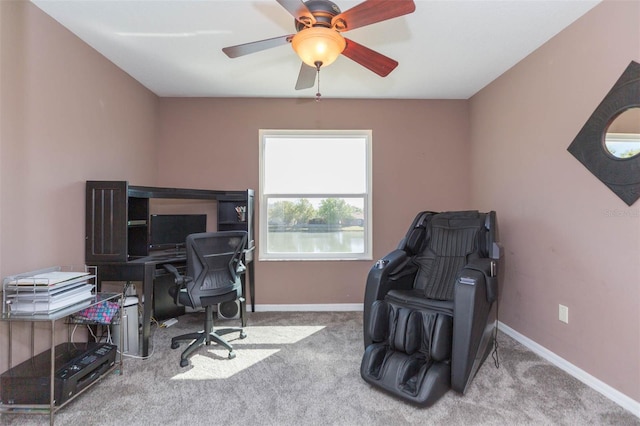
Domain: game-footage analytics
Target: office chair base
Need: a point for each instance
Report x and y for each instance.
(202, 338)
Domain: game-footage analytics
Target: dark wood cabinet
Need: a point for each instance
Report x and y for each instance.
(106, 222)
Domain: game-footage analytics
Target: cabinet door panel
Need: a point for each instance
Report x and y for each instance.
(106, 221)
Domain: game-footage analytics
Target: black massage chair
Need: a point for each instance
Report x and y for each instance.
(430, 306)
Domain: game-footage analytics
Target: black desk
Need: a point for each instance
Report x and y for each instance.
(144, 269)
(117, 232)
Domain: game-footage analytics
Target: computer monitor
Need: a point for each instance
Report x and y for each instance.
(169, 231)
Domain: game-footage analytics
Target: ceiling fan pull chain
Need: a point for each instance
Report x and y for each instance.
(318, 64)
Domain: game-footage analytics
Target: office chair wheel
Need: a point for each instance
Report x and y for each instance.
(175, 345)
(243, 334)
(232, 355)
(184, 362)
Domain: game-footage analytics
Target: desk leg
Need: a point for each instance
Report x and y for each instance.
(99, 278)
(147, 286)
(252, 286)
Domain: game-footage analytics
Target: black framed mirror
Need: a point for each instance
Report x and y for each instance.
(608, 145)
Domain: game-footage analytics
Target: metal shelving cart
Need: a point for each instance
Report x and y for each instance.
(42, 296)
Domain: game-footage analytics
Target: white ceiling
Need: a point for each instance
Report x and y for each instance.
(447, 49)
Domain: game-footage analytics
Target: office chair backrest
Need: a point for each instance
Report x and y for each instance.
(451, 240)
(212, 262)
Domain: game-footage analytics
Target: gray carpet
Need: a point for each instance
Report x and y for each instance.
(299, 368)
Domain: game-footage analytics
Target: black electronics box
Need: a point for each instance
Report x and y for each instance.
(77, 365)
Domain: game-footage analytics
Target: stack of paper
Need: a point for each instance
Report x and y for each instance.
(48, 292)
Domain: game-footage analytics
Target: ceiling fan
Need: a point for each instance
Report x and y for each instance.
(319, 40)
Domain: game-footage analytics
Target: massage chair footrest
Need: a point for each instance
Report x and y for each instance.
(406, 376)
(411, 351)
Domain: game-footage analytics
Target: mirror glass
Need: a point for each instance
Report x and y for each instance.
(622, 138)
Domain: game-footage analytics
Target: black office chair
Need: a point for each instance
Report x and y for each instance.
(430, 307)
(213, 276)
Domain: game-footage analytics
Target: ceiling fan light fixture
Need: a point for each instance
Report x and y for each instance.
(318, 44)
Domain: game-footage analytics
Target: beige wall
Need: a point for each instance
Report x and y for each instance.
(569, 240)
(420, 162)
(68, 115)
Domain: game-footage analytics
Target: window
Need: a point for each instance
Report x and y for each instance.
(315, 195)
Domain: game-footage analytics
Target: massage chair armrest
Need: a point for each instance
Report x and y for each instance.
(474, 317)
(393, 271)
(489, 269)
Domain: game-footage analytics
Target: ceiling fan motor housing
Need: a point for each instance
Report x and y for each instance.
(322, 10)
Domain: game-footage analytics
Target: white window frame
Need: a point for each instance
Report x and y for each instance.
(263, 254)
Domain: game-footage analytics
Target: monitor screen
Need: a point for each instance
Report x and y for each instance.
(169, 231)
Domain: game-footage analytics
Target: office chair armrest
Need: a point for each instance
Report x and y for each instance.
(174, 271)
(179, 280)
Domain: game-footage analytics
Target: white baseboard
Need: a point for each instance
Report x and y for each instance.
(343, 307)
(616, 396)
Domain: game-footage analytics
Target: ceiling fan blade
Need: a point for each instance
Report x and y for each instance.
(256, 46)
(306, 77)
(370, 59)
(299, 11)
(371, 11)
